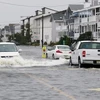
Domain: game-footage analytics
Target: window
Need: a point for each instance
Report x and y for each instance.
(63, 47)
(53, 48)
(82, 29)
(59, 24)
(89, 45)
(97, 10)
(8, 48)
(93, 12)
(73, 46)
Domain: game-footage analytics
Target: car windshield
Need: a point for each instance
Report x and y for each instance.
(90, 45)
(8, 48)
(63, 47)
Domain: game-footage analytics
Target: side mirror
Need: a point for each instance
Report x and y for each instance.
(49, 49)
(20, 50)
(71, 48)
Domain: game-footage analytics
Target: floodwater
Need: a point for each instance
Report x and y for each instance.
(31, 77)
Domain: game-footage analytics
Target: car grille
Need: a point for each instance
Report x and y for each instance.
(6, 56)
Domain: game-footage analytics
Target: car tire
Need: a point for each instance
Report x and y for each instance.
(46, 55)
(53, 56)
(70, 62)
(79, 63)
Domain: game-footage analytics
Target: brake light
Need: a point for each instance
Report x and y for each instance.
(58, 51)
(83, 53)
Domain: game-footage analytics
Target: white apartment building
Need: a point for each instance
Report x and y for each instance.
(66, 24)
(41, 26)
(58, 25)
(87, 19)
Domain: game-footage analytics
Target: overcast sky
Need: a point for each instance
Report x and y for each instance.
(12, 13)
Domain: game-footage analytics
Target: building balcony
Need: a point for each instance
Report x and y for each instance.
(92, 19)
(77, 20)
(84, 20)
(61, 28)
(76, 35)
(58, 28)
(64, 27)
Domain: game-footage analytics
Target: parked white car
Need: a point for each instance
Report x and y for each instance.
(58, 51)
(85, 52)
(8, 50)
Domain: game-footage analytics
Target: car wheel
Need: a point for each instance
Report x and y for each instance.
(53, 56)
(46, 55)
(79, 63)
(70, 62)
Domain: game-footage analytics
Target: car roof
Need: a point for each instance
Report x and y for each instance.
(62, 45)
(89, 41)
(6, 43)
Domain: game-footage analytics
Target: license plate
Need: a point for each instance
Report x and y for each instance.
(66, 56)
(98, 62)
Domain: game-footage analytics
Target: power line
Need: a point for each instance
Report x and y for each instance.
(13, 4)
(17, 4)
(29, 5)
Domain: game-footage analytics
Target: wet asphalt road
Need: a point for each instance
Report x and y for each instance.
(58, 82)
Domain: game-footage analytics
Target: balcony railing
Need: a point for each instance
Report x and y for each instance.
(92, 18)
(84, 20)
(61, 28)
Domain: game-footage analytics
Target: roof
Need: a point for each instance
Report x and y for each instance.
(61, 45)
(40, 15)
(89, 41)
(66, 13)
(58, 16)
(50, 9)
(7, 28)
(74, 7)
(88, 8)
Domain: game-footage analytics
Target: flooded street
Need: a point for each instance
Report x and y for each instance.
(34, 78)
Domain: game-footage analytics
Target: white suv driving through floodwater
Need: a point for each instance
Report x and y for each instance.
(85, 52)
(8, 50)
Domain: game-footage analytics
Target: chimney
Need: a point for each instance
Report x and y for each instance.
(87, 4)
(38, 12)
(43, 10)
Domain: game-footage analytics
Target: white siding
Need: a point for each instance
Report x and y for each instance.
(47, 29)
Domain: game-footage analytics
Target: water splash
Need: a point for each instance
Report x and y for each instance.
(20, 62)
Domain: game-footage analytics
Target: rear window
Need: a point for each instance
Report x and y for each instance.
(89, 45)
(63, 47)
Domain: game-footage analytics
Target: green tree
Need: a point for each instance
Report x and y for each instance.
(85, 36)
(22, 29)
(65, 40)
(28, 35)
(10, 37)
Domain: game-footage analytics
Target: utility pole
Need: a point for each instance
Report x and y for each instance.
(29, 25)
(42, 29)
(23, 27)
